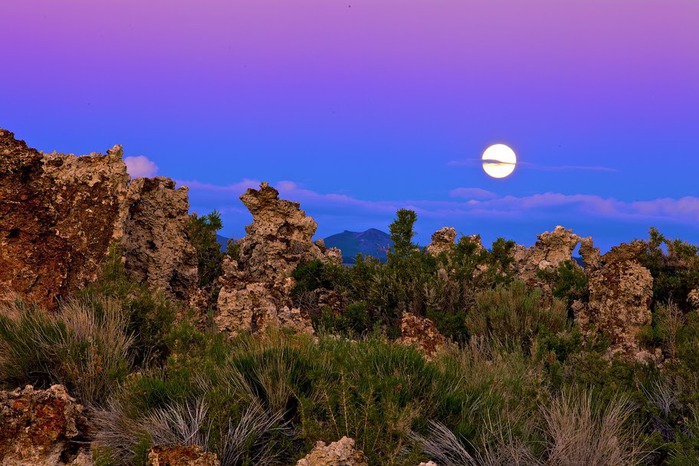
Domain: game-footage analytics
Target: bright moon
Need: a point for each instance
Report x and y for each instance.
(499, 161)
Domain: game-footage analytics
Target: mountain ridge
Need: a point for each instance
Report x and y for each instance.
(371, 242)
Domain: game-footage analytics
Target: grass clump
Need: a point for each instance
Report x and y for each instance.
(84, 347)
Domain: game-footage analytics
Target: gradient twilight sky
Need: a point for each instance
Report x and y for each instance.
(357, 108)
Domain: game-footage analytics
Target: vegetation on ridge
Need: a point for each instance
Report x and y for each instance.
(521, 386)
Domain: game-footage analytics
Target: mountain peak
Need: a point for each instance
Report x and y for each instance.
(371, 242)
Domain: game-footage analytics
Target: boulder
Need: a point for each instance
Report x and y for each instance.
(256, 286)
(42, 428)
(340, 453)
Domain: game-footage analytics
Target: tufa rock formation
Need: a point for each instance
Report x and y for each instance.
(340, 453)
(549, 251)
(256, 287)
(57, 217)
(442, 241)
(59, 213)
(621, 291)
(180, 455)
(422, 333)
(41, 428)
(156, 247)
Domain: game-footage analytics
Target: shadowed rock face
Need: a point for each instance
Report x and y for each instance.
(57, 217)
(256, 287)
(59, 213)
(621, 291)
(40, 427)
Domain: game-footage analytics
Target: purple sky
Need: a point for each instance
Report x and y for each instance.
(358, 108)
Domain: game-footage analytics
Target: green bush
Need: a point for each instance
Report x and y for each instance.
(675, 271)
(515, 315)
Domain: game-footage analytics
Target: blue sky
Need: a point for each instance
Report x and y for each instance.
(356, 109)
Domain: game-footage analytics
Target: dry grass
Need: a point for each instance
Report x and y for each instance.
(580, 432)
(95, 346)
(178, 424)
(250, 433)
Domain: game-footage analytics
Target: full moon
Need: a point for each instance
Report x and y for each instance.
(499, 161)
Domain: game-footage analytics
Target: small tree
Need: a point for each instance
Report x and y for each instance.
(402, 233)
(202, 233)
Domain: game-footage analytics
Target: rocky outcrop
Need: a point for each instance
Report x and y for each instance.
(620, 295)
(340, 453)
(442, 241)
(59, 213)
(41, 428)
(181, 456)
(421, 333)
(156, 247)
(57, 217)
(256, 286)
(548, 253)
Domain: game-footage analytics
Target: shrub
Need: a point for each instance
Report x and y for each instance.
(149, 314)
(84, 347)
(202, 233)
(515, 315)
(675, 272)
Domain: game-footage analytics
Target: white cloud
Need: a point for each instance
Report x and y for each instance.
(472, 193)
(140, 166)
(476, 203)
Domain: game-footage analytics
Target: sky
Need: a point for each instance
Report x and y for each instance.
(357, 108)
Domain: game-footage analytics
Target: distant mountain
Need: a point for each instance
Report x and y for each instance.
(372, 242)
(223, 241)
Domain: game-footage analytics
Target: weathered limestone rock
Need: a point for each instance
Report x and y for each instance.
(41, 428)
(256, 287)
(59, 213)
(590, 254)
(442, 241)
(156, 247)
(621, 291)
(181, 456)
(332, 255)
(422, 333)
(340, 453)
(57, 217)
(549, 251)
